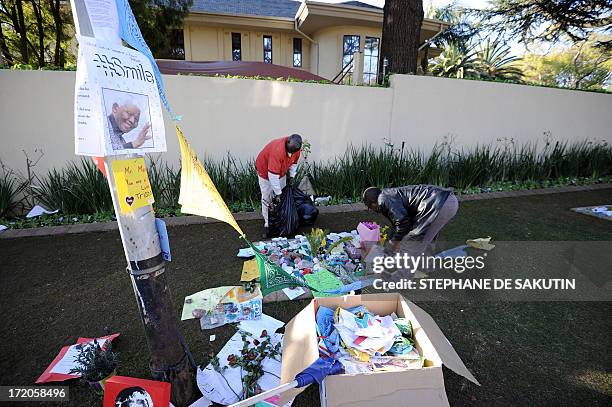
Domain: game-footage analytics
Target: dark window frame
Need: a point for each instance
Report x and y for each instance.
(297, 51)
(265, 60)
(347, 56)
(236, 50)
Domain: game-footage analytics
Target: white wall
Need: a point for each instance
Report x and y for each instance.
(426, 109)
(240, 116)
(36, 113)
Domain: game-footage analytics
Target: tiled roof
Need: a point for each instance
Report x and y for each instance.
(268, 8)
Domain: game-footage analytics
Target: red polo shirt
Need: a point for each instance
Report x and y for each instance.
(273, 158)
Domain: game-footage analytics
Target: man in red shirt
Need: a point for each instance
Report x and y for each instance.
(276, 166)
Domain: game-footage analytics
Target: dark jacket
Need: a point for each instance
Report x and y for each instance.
(411, 209)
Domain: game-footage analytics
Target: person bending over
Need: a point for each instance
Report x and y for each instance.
(276, 166)
(417, 213)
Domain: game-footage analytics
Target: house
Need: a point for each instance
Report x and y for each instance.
(319, 37)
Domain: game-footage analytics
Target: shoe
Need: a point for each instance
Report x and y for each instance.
(266, 233)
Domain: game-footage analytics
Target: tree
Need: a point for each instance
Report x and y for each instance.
(34, 32)
(460, 34)
(38, 32)
(400, 38)
(490, 60)
(58, 28)
(581, 66)
(456, 62)
(158, 19)
(463, 28)
(550, 20)
(496, 62)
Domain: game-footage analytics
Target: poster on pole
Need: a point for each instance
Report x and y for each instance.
(133, 185)
(103, 18)
(117, 105)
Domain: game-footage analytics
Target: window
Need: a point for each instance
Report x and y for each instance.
(236, 47)
(350, 46)
(370, 60)
(267, 49)
(297, 52)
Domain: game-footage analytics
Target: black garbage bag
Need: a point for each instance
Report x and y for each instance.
(283, 219)
(307, 211)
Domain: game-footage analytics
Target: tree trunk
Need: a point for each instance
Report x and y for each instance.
(40, 31)
(21, 30)
(54, 7)
(7, 58)
(401, 33)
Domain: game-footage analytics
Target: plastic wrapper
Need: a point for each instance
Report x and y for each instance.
(307, 211)
(283, 217)
(294, 210)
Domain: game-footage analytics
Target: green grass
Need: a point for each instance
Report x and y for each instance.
(54, 289)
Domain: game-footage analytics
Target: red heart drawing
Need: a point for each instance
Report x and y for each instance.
(129, 200)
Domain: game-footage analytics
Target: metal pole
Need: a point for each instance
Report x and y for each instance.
(170, 357)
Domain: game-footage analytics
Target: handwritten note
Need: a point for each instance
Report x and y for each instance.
(133, 186)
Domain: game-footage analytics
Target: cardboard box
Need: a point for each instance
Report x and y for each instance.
(417, 387)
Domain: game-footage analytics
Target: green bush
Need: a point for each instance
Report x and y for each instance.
(80, 188)
(10, 189)
(165, 183)
(348, 175)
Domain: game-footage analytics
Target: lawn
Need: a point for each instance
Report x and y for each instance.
(54, 289)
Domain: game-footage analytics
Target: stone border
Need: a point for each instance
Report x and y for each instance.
(243, 216)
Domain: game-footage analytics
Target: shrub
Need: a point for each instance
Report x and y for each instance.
(82, 189)
(95, 362)
(10, 189)
(79, 188)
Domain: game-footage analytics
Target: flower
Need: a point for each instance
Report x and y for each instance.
(251, 355)
(232, 360)
(264, 333)
(255, 342)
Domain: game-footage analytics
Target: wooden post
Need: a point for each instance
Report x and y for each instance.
(170, 357)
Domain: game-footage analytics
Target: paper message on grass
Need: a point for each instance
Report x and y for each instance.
(117, 105)
(198, 194)
(207, 300)
(323, 280)
(133, 186)
(250, 271)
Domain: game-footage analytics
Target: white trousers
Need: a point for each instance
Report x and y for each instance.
(267, 193)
